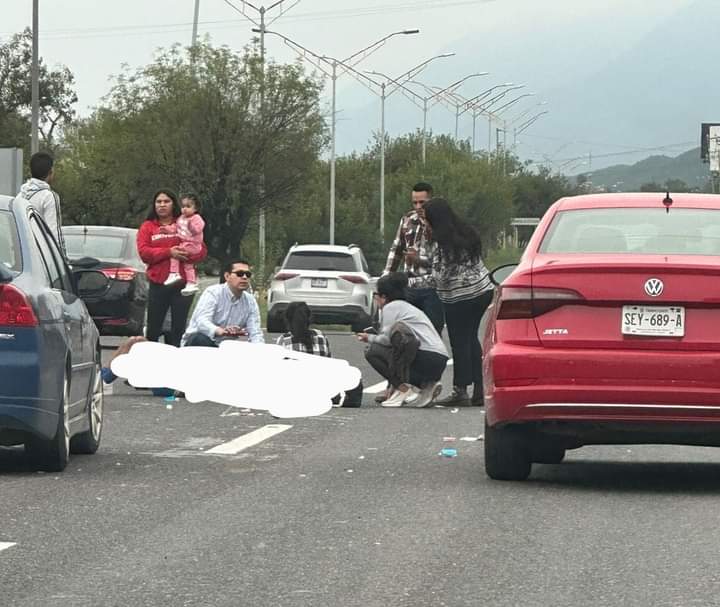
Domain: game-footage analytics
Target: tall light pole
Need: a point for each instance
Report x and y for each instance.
(438, 94)
(525, 125)
(398, 82)
(35, 84)
(471, 104)
(259, 10)
(329, 66)
(196, 16)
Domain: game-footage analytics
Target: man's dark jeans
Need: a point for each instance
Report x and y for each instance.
(199, 339)
(426, 367)
(427, 300)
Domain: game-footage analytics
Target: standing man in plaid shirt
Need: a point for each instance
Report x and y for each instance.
(410, 253)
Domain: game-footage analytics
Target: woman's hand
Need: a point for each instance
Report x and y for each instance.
(178, 253)
(362, 337)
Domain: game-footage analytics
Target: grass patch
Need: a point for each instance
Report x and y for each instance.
(500, 257)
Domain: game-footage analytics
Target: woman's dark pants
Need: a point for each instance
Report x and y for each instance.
(463, 321)
(160, 298)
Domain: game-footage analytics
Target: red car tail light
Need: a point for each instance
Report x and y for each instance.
(124, 274)
(528, 302)
(356, 280)
(15, 308)
(285, 275)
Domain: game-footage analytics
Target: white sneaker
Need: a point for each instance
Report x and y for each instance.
(412, 395)
(428, 394)
(396, 399)
(172, 279)
(189, 288)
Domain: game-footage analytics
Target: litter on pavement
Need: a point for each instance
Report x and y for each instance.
(447, 452)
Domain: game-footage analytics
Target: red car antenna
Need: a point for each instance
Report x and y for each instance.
(667, 201)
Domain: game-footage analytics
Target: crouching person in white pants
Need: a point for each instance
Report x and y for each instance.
(408, 351)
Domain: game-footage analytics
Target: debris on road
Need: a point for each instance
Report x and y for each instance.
(448, 452)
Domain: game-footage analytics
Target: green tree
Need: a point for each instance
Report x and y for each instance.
(535, 191)
(192, 121)
(56, 101)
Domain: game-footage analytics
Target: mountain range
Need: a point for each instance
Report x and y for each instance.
(658, 169)
(617, 85)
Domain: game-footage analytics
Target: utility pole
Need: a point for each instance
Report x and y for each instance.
(261, 29)
(35, 85)
(195, 22)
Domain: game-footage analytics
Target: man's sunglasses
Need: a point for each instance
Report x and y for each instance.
(242, 273)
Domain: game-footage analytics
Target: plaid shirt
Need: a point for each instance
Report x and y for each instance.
(320, 344)
(411, 232)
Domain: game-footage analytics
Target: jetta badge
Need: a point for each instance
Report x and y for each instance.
(654, 287)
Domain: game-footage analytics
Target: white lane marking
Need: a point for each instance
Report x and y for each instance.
(6, 545)
(379, 387)
(248, 440)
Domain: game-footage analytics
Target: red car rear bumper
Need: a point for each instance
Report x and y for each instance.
(528, 384)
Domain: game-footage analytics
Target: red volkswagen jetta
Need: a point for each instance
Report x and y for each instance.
(607, 332)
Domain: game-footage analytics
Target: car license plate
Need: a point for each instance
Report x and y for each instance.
(661, 321)
(320, 283)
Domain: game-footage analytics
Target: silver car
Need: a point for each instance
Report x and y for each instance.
(334, 281)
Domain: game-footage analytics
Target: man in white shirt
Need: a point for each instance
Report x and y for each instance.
(38, 192)
(226, 311)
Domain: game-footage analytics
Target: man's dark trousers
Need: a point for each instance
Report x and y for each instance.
(427, 300)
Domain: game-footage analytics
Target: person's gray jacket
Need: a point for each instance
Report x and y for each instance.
(415, 319)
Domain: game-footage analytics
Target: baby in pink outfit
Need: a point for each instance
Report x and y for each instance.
(190, 230)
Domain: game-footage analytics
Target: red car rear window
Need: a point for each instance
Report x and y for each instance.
(640, 231)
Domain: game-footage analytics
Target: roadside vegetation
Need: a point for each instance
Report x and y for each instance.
(205, 120)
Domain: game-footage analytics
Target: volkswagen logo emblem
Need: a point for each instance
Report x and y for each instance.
(654, 287)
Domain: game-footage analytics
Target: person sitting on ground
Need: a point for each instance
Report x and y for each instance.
(106, 373)
(408, 351)
(226, 310)
(301, 338)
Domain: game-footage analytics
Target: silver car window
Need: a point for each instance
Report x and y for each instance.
(100, 246)
(321, 260)
(10, 255)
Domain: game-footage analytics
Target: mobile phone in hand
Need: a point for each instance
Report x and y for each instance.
(370, 330)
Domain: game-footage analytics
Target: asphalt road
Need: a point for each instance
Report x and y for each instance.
(355, 507)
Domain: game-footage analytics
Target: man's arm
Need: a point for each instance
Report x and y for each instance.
(255, 334)
(397, 249)
(203, 314)
(48, 210)
(389, 318)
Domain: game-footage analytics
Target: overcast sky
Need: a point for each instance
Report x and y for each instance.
(94, 39)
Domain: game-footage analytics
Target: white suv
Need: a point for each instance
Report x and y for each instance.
(334, 281)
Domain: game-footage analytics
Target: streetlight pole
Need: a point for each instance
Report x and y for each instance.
(35, 84)
(398, 82)
(439, 94)
(196, 16)
(261, 29)
(322, 62)
(525, 125)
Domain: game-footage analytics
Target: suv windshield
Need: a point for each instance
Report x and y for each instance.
(100, 246)
(321, 260)
(635, 231)
(9, 245)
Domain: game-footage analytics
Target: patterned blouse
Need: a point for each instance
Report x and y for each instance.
(455, 281)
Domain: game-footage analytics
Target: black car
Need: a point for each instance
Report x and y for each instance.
(120, 310)
(51, 397)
